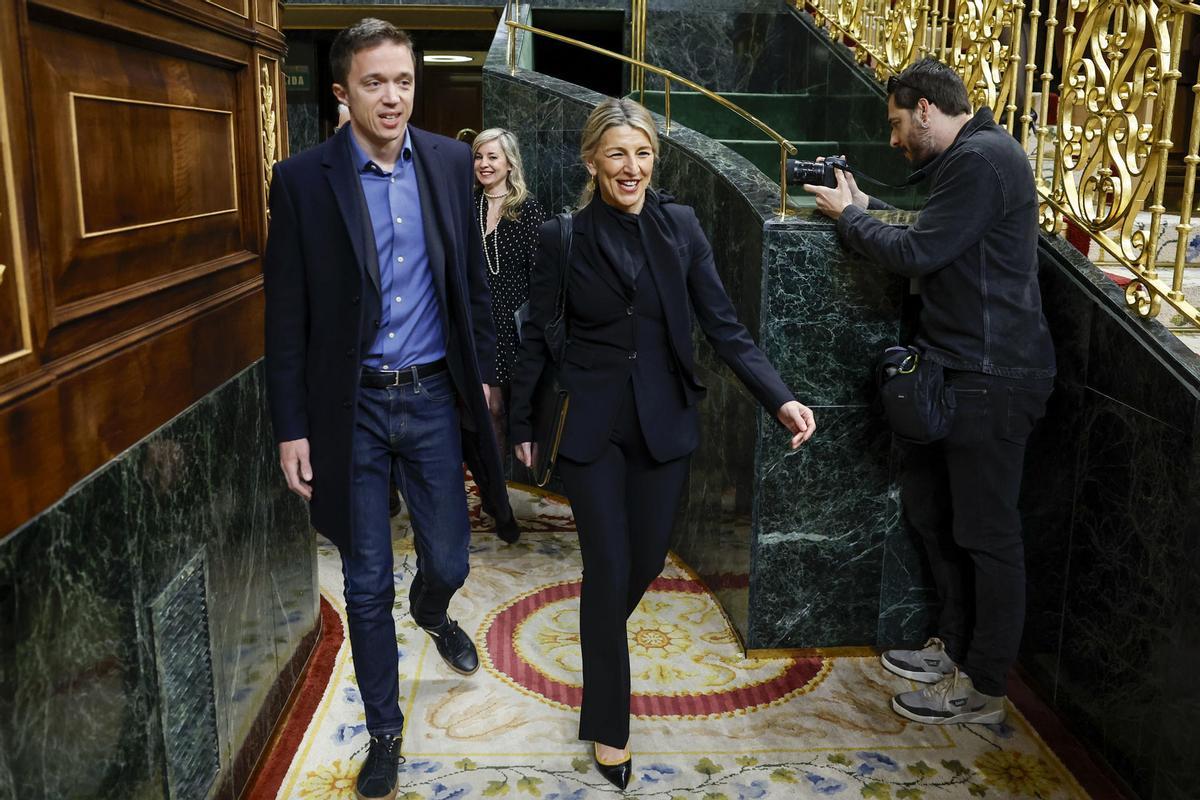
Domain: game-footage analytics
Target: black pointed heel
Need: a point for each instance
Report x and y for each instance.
(616, 774)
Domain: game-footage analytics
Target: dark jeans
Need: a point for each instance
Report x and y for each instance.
(960, 495)
(624, 504)
(411, 433)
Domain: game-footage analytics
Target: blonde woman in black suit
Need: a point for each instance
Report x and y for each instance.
(639, 266)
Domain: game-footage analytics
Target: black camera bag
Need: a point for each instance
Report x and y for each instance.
(913, 394)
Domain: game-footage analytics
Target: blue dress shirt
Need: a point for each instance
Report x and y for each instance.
(410, 322)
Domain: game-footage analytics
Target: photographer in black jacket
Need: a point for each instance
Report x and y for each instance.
(974, 249)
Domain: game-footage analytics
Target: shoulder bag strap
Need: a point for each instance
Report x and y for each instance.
(566, 230)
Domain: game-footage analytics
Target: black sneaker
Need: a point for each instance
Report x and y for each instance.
(455, 647)
(378, 776)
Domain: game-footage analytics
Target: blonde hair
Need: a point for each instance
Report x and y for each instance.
(517, 192)
(612, 113)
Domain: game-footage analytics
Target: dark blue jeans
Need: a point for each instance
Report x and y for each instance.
(960, 495)
(410, 432)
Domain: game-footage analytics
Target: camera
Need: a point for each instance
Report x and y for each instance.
(817, 173)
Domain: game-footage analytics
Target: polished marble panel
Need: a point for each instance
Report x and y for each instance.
(1110, 512)
(79, 581)
(907, 600)
(303, 125)
(1128, 541)
(821, 517)
(827, 312)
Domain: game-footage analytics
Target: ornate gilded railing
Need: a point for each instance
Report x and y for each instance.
(786, 148)
(1112, 164)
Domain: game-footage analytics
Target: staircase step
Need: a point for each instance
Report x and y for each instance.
(792, 115)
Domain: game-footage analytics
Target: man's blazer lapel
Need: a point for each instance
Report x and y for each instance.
(347, 188)
(434, 214)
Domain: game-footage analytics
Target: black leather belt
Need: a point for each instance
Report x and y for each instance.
(382, 378)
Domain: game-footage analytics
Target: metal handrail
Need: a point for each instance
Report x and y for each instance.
(786, 148)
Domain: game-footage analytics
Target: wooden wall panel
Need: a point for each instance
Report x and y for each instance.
(85, 417)
(136, 139)
(185, 166)
(15, 331)
(267, 12)
(239, 7)
(137, 167)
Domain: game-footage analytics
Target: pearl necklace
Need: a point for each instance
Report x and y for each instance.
(496, 196)
(483, 209)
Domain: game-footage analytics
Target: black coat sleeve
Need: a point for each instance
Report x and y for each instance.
(960, 209)
(718, 320)
(483, 328)
(286, 290)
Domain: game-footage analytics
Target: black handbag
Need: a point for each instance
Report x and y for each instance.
(913, 394)
(550, 399)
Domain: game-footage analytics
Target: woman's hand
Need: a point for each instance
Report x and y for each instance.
(799, 420)
(524, 452)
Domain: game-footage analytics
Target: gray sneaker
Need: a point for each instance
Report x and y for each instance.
(950, 701)
(928, 665)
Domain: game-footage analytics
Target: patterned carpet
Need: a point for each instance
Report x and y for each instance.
(709, 723)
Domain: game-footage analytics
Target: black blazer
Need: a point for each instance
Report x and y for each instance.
(321, 279)
(597, 364)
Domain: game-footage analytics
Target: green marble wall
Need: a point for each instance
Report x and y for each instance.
(1112, 522)
(81, 693)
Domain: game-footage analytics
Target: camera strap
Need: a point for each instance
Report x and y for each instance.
(912, 179)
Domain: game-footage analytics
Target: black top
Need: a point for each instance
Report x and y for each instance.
(974, 247)
(619, 241)
(508, 255)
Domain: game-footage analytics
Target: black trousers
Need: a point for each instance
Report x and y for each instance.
(624, 504)
(960, 495)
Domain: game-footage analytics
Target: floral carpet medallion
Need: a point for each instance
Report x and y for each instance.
(683, 656)
(709, 724)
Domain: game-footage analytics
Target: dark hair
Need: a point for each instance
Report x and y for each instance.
(933, 80)
(362, 35)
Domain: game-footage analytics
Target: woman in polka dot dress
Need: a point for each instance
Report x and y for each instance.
(509, 218)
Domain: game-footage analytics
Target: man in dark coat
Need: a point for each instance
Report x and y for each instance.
(379, 346)
(974, 249)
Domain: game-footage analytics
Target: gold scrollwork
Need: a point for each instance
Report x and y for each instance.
(1107, 157)
(848, 14)
(267, 111)
(1140, 298)
(984, 37)
(903, 36)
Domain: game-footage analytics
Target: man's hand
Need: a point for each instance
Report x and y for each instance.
(524, 452)
(799, 420)
(293, 459)
(832, 202)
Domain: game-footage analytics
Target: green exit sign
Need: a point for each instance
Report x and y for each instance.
(298, 77)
